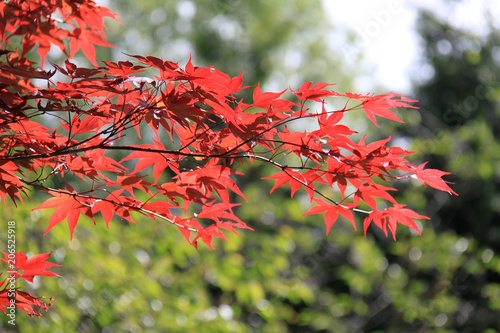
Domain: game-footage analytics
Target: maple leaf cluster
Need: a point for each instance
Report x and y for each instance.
(22, 267)
(197, 129)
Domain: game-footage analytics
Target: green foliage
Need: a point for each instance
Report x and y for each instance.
(278, 278)
(459, 132)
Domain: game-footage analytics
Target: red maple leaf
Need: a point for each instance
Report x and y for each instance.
(218, 212)
(22, 267)
(68, 206)
(432, 177)
(160, 162)
(29, 268)
(380, 104)
(25, 301)
(296, 180)
(331, 212)
(9, 183)
(314, 93)
(211, 177)
(390, 217)
(366, 192)
(85, 40)
(264, 100)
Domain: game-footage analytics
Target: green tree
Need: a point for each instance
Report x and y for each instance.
(277, 43)
(459, 131)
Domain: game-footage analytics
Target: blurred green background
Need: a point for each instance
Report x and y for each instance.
(287, 276)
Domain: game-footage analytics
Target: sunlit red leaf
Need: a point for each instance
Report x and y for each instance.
(67, 207)
(390, 217)
(432, 177)
(29, 268)
(331, 212)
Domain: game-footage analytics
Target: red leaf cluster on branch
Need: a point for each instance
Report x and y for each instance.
(22, 267)
(199, 129)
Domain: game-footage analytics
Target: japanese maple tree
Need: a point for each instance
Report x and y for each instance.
(71, 125)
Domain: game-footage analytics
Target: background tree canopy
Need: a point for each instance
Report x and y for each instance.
(277, 43)
(287, 276)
